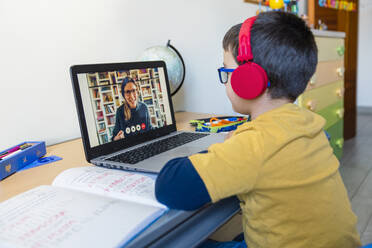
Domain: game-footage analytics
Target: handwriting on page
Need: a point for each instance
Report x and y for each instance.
(118, 182)
(42, 218)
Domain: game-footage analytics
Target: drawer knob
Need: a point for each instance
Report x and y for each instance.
(340, 113)
(313, 80)
(340, 92)
(311, 105)
(339, 143)
(340, 71)
(341, 50)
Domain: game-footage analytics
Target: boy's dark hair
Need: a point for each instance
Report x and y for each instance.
(284, 46)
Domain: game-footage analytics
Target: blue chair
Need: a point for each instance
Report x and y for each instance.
(367, 246)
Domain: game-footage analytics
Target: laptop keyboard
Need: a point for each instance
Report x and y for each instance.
(155, 148)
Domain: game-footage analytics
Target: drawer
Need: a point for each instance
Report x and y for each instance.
(337, 142)
(330, 48)
(333, 113)
(319, 98)
(327, 72)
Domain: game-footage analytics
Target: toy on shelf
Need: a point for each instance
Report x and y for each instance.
(348, 5)
(322, 25)
(218, 124)
(276, 5)
(293, 7)
(286, 2)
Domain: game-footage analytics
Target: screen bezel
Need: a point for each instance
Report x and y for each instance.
(114, 146)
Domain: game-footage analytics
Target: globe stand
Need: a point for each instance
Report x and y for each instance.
(175, 64)
(183, 65)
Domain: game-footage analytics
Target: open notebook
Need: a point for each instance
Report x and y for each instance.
(84, 207)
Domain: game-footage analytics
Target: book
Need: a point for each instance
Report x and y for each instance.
(84, 207)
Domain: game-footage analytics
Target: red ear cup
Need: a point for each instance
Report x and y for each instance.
(249, 80)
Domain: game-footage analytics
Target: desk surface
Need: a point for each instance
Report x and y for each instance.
(166, 232)
(72, 155)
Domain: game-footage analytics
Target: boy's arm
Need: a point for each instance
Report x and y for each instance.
(227, 169)
(179, 186)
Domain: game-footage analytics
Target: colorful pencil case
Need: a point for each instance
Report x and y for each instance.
(17, 157)
(218, 124)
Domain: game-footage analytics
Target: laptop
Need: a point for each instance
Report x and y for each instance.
(126, 117)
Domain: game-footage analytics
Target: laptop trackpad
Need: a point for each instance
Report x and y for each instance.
(184, 151)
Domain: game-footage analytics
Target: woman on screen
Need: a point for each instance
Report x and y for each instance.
(132, 117)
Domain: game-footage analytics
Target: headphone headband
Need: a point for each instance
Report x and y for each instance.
(245, 49)
(249, 80)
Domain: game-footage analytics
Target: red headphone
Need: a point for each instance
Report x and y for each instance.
(249, 80)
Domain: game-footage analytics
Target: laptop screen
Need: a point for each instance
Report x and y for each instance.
(120, 104)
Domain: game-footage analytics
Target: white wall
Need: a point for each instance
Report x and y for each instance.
(40, 39)
(364, 77)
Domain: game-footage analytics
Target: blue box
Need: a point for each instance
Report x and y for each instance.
(13, 162)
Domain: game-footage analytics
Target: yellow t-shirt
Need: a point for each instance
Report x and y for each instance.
(283, 171)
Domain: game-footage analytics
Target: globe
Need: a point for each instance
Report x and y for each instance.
(173, 61)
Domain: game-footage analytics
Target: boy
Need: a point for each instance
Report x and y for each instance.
(280, 165)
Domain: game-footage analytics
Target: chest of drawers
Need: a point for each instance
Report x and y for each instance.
(325, 92)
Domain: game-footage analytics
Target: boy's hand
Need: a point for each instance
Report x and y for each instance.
(228, 135)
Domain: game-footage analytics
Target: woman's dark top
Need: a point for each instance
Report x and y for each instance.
(140, 116)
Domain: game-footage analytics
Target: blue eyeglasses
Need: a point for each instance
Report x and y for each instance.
(223, 73)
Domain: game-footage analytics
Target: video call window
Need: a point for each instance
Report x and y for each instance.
(119, 104)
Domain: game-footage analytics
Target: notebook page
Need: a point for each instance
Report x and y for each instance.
(130, 186)
(47, 216)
